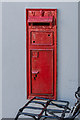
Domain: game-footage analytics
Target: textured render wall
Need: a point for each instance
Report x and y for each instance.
(13, 53)
(79, 44)
(0, 60)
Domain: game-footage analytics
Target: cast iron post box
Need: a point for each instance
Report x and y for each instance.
(41, 39)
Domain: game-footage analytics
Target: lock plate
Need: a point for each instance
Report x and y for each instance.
(42, 38)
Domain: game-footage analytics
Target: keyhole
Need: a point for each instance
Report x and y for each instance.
(35, 75)
(48, 34)
(33, 41)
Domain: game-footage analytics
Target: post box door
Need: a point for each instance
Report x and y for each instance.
(42, 65)
(41, 49)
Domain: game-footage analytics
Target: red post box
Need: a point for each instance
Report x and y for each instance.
(41, 49)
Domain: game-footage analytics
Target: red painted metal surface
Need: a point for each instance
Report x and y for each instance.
(42, 38)
(41, 49)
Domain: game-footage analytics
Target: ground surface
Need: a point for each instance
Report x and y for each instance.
(24, 119)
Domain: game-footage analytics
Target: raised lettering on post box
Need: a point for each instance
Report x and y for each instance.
(41, 51)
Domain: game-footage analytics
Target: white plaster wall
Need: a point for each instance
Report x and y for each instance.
(13, 53)
(79, 43)
(0, 60)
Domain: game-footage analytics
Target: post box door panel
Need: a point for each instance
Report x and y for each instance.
(42, 38)
(42, 72)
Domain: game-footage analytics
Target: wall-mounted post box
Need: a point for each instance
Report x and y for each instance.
(41, 39)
